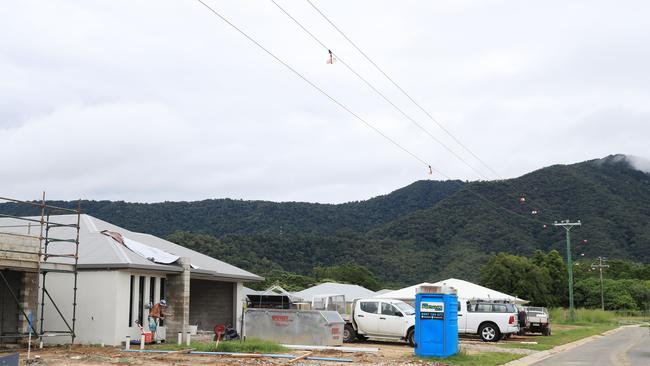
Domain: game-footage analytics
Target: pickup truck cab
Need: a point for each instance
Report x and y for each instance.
(380, 318)
(491, 320)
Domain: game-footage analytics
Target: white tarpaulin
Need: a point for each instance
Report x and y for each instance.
(151, 253)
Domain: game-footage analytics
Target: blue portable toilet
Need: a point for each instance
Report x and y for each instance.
(436, 322)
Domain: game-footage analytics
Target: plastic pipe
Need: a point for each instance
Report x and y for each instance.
(127, 343)
(187, 339)
(180, 338)
(142, 342)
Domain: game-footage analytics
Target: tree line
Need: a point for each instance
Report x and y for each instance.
(542, 279)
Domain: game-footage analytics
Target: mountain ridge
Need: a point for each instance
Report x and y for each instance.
(424, 231)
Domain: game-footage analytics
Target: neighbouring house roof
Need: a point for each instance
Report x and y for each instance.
(350, 292)
(101, 251)
(249, 291)
(381, 292)
(466, 290)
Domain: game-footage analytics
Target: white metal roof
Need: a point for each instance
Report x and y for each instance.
(466, 290)
(99, 251)
(350, 292)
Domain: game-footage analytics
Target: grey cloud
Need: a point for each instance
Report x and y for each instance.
(165, 102)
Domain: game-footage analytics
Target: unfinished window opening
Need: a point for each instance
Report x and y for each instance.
(131, 301)
(152, 290)
(141, 300)
(162, 296)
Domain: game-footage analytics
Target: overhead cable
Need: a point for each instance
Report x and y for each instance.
(305, 79)
(403, 91)
(407, 95)
(378, 92)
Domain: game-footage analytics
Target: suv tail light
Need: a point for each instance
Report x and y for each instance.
(511, 320)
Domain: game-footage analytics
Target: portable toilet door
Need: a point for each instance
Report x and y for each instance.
(436, 325)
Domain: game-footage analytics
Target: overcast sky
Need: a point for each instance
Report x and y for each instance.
(160, 100)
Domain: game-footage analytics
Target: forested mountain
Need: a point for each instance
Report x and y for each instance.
(219, 217)
(426, 231)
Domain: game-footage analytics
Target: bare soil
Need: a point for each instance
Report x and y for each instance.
(389, 354)
(95, 356)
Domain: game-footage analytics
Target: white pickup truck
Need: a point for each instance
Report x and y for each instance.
(380, 318)
(491, 320)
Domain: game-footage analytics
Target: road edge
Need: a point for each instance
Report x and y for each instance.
(542, 355)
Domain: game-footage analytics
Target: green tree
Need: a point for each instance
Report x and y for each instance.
(287, 280)
(348, 273)
(518, 276)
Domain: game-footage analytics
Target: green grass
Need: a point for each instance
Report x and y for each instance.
(562, 336)
(583, 316)
(478, 359)
(250, 345)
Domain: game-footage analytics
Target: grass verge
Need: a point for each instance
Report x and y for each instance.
(476, 359)
(250, 345)
(562, 336)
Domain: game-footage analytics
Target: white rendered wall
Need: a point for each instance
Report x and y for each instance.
(123, 327)
(238, 305)
(96, 304)
(102, 306)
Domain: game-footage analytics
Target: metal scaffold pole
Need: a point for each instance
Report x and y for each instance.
(47, 251)
(76, 262)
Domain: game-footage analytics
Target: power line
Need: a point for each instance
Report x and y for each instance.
(404, 91)
(378, 92)
(351, 112)
(392, 81)
(344, 107)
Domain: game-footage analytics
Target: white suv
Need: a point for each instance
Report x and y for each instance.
(380, 318)
(491, 320)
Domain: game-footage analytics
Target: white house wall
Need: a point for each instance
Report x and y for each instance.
(123, 326)
(102, 305)
(103, 302)
(239, 300)
(96, 303)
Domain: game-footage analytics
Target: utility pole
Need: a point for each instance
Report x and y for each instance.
(600, 267)
(568, 226)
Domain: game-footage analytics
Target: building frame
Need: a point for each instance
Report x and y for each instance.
(23, 251)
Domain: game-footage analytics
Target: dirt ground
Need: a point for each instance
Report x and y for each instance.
(389, 354)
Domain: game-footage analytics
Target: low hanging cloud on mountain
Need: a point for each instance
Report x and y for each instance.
(639, 163)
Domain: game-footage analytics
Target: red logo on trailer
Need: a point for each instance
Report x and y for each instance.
(280, 320)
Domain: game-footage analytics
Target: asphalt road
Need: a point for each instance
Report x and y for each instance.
(627, 347)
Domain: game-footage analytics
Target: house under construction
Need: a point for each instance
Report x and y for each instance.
(26, 259)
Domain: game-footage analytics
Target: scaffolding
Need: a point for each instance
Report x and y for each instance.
(34, 240)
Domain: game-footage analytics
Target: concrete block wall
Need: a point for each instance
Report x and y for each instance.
(9, 312)
(211, 303)
(178, 302)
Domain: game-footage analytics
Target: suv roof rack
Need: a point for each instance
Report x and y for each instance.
(491, 301)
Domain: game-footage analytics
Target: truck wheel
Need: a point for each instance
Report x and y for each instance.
(546, 331)
(349, 334)
(489, 332)
(410, 337)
